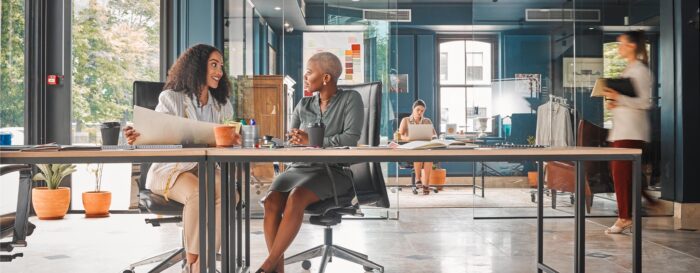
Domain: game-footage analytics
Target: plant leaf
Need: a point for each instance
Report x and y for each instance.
(39, 177)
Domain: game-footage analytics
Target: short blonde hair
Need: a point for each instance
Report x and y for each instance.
(328, 63)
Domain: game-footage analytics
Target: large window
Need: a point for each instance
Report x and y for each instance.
(12, 69)
(11, 89)
(465, 84)
(114, 43)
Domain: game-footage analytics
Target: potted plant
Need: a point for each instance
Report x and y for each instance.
(438, 176)
(97, 202)
(226, 134)
(51, 202)
(531, 175)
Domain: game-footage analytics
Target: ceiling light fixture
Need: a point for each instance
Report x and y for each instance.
(278, 8)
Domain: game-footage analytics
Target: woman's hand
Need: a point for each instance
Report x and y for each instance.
(298, 137)
(611, 105)
(610, 93)
(130, 134)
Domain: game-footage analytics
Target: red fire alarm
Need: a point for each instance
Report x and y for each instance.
(53, 79)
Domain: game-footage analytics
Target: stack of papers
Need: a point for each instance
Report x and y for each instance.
(435, 143)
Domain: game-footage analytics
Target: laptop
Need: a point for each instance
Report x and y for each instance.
(420, 132)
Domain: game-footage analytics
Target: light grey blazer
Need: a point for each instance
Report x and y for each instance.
(162, 175)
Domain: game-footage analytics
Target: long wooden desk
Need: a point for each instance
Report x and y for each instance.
(235, 165)
(238, 161)
(206, 205)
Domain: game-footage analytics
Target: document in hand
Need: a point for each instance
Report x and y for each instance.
(435, 143)
(160, 128)
(622, 85)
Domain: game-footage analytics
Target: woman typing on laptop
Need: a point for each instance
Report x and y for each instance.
(416, 118)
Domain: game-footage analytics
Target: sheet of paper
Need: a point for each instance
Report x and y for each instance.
(598, 88)
(161, 128)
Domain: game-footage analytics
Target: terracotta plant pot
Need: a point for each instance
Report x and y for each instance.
(437, 178)
(224, 135)
(50, 204)
(97, 203)
(532, 179)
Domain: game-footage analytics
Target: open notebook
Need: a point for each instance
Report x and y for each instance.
(436, 143)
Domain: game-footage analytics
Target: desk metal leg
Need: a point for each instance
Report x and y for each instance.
(540, 216)
(482, 179)
(232, 228)
(636, 212)
(202, 170)
(474, 178)
(247, 214)
(211, 216)
(225, 199)
(239, 215)
(580, 218)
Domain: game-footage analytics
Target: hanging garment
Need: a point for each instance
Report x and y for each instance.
(554, 126)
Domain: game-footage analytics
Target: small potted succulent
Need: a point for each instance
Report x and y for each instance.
(97, 202)
(226, 134)
(51, 202)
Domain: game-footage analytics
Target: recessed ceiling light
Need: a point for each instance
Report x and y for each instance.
(591, 28)
(278, 8)
(286, 24)
(356, 0)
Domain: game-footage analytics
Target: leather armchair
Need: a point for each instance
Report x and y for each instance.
(369, 185)
(16, 224)
(561, 175)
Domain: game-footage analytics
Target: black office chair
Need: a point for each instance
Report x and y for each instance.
(17, 224)
(369, 188)
(146, 95)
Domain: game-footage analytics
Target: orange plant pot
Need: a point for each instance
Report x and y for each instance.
(97, 203)
(50, 204)
(437, 178)
(224, 135)
(532, 179)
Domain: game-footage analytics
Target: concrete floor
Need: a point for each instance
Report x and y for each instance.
(422, 240)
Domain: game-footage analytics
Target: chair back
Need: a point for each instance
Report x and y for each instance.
(372, 100)
(146, 95)
(367, 177)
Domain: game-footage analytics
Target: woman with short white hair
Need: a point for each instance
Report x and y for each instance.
(342, 113)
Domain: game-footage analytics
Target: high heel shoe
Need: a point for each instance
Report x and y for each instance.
(615, 229)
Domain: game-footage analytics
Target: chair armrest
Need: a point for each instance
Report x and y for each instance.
(14, 168)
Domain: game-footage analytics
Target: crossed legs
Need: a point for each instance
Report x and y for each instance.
(284, 213)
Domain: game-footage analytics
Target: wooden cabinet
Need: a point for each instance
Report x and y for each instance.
(269, 99)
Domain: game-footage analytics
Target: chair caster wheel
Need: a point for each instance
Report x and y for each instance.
(532, 198)
(129, 271)
(368, 269)
(415, 191)
(306, 264)
(435, 191)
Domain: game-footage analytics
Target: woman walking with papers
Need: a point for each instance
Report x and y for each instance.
(422, 169)
(197, 88)
(631, 125)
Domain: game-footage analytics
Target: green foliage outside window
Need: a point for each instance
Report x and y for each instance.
(12, 63)
(115, 43)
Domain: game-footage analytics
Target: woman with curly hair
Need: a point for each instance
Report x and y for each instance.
(197, 88)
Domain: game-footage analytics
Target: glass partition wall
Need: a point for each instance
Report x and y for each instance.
(267, 45)
(549, 55)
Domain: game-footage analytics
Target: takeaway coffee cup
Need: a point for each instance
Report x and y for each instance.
(316, 133)
(110, 132)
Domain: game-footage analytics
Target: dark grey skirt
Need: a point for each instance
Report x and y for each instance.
(315, 179)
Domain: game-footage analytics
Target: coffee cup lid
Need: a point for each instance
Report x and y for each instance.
(110, 124)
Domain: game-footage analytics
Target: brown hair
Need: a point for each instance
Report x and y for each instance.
(638, 38)
(189, 74)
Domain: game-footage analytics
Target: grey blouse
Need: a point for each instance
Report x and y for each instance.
(343, 118)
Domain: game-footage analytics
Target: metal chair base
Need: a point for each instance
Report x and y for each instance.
(327, 251)
(165, 260)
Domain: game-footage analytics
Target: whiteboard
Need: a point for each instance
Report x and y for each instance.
(347, 46)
